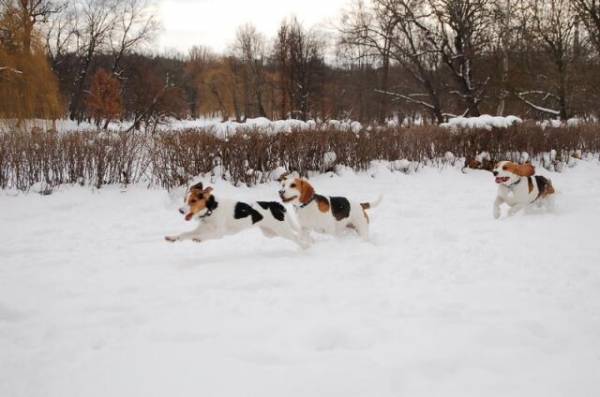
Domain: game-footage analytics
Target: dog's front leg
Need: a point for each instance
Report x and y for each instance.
(305, 236)
(187, 235)
(497, 203)
(209, 234)
(516, 208)
(183, 236)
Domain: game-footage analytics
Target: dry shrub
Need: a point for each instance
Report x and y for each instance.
(85, 158)
(171, 159)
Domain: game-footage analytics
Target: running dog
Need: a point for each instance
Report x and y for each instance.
(324, 214)
(518, 187)
(218, 218)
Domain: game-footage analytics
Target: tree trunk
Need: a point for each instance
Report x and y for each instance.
(384, 86)
(75, 110)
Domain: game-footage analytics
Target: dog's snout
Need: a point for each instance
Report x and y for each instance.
(281, 192)
(495, 173)
(181, 211)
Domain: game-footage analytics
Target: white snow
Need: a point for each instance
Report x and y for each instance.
(445, 301)
(483, 156)
(218, 127)
(329, 158)
(400, 165)
(484, 121)
(554, 123)
(572, 122)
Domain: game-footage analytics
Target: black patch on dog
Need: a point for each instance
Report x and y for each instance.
(541, 183)
(197, 186)
(211, 203)
(243, 210)
(340, 207)
(277, 210)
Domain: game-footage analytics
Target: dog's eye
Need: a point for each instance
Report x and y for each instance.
(193, 201)
(293, 185)
(504, 168)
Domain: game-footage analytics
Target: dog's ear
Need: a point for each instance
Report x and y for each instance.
(524, 169)
(306, 191)
(207, 190)
(211, 203)
(198, 186)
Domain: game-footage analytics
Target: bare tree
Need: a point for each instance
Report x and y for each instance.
(412, 49)
(29, 13)
(249, 48)
(135, 24)
(60, 34)
(503, 11)
(96, 19)
(371, 30)
(589, 13)
(421, 35)
(554, 29)
(199, 61)
(299, 61)
(460, 35)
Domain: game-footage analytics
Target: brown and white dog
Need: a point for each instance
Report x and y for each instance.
(326, 214)
(218, 218)
(518, 187)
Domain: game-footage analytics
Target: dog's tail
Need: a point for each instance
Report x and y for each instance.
(549, 188)
(372, 204)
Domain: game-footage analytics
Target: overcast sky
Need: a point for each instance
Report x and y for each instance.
(213, 23)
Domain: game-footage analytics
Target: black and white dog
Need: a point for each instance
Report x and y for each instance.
(218, 218)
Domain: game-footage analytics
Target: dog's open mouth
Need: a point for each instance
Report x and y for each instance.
(288, 199)
(501, 179)
(189, 216)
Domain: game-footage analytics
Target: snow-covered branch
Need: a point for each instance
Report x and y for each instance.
(537, 107)
(407, 98)
(538, 92)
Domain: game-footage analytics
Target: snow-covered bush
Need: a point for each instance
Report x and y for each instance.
(174, 158)
(485, 122)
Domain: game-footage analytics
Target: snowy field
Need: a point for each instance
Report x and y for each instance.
(445, 301)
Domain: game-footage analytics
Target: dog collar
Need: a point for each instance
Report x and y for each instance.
(514, 184)
(206, 214)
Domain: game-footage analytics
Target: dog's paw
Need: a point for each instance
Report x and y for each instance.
(171, 239)
(304, 244)
(496, 213)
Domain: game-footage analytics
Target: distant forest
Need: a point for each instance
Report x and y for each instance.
(428, 59)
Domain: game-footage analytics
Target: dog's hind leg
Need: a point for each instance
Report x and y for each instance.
(550, 203)
(362, 228)
(267, 232)
(285, 231)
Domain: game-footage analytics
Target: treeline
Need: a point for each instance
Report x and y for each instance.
(408, 59)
